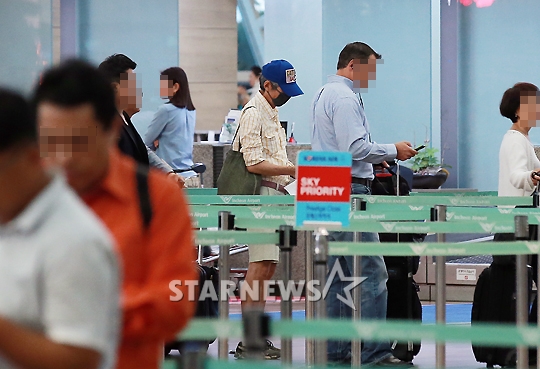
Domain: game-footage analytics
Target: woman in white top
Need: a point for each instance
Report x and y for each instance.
(518, 163)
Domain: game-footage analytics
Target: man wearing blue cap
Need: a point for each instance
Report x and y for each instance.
(262, 141)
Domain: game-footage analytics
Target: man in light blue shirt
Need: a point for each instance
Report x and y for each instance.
(340, 124)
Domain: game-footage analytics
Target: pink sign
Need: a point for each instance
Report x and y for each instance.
(479, 3)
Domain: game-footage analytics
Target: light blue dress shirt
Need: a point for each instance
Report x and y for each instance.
(174, 128)
(340, 124)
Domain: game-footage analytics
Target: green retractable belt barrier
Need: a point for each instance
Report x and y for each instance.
(433, 248)
(205, 216)
(488, 334)
(506, 226)
(456, 194)
(403, 200)
(240, 200)
(235, 238)
(201, 191)
(448, 200)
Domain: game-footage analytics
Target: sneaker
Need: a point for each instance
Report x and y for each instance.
(393, 361)
(270, 353)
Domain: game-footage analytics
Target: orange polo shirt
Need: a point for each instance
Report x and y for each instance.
(151, 258)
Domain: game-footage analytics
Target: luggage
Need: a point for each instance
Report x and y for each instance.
(403, 301)
(206, 308)
(495, 301)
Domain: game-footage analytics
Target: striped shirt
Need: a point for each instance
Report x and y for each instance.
(262, 138)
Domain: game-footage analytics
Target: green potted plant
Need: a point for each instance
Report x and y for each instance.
(428, 172)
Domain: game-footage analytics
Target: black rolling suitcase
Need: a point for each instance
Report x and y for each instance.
(495, 301)
(403, 301)
(206, 308)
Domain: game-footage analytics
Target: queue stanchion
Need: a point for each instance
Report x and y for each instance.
(356, 349)
(522, 298)
(225, 223)
(320, 258)
(536, 204)
(193, 360)
(256, 331)
(310, 306)
(438, 214)
(287, 239)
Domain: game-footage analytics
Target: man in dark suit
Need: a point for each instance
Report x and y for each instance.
(119, 68)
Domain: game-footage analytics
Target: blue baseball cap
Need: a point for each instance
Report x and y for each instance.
(282, 72)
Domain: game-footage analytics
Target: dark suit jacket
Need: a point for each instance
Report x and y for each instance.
(131, 143)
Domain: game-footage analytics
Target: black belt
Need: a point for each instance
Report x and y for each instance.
(274, 185)
(363, 181)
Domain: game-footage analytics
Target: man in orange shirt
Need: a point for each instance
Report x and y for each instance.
(79, 127)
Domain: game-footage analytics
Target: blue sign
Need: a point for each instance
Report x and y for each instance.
(323, 188)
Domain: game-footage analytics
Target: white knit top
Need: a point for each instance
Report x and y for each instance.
(517, 160)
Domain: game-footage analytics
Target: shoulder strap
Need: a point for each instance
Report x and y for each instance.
(237, 129)
(144, 194)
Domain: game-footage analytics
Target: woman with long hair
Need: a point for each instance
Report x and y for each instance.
(173, 125)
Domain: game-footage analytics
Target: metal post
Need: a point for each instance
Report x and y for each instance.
(320, 258)
(193, 360)
(256, 330)
(225, 222)
(522, 298)
(200, 254)
(310, 306)
(356, 349)
(287, 239)
(536, 204)
(440, 283)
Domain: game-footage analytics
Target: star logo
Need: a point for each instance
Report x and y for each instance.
(506, 211)
(455, 201)
(418, 249)
(355, 281)
(388, 226)
(488, 227)
(258, 214)
(226, 199)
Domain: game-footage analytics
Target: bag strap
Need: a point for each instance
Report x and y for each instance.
(237, 129)
(145, 204)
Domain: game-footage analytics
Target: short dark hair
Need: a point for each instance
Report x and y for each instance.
(256, 70)
(115, 65)
(512, 99)
(75, 83)
(263, 79)
(355, 50)
(16, 123)
(182, 97)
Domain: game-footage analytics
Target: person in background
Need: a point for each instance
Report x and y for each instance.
(254, 76)
(262, 141)
(145, 212)
(60, 276)
(518, 163)
(173, 125)
(339, 123)
(120, 70)
(243, 96)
